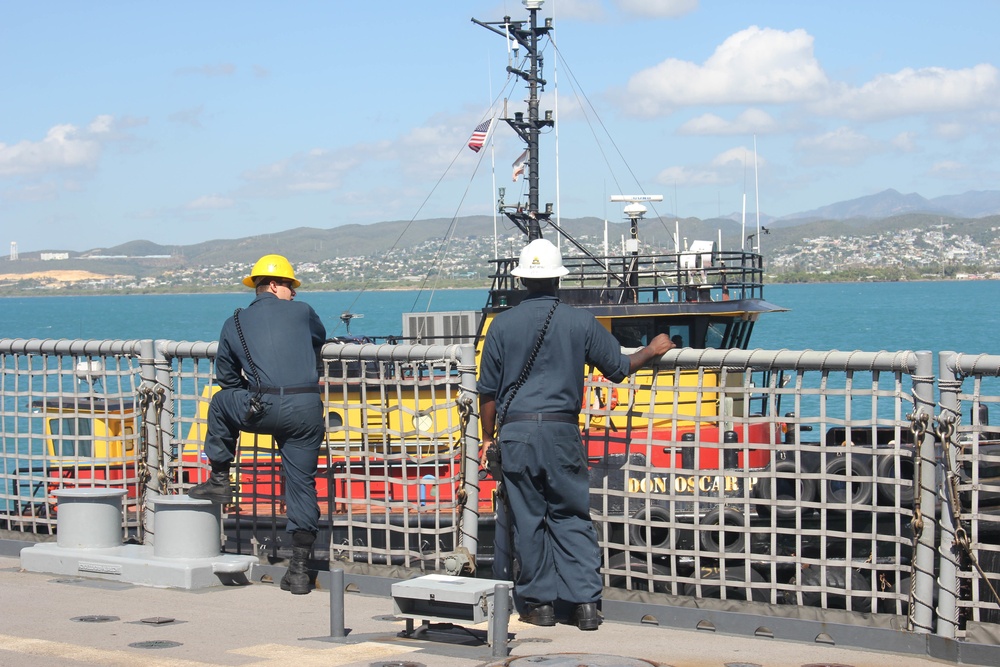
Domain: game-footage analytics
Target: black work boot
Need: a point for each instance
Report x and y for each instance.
(586, 617)
(538, 614)
(297, 578)
(216, 488)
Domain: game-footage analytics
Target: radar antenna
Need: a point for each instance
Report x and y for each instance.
(634, 211)
(346, 318)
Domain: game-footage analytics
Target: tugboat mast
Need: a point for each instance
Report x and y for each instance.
(529, 221)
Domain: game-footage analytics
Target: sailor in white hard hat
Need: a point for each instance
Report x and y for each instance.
(530, 394)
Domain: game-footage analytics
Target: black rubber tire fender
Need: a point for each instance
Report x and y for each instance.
(785, 489)
(659, 537)
(736, 575)
(836, 585)
(859, 490)
(734, 542)
(640, 571)
(885, 467)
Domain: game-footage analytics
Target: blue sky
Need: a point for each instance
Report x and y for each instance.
(187, 121)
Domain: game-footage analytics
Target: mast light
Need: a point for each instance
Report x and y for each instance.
(533, 4)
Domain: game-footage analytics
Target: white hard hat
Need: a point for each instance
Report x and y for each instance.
(540, 259)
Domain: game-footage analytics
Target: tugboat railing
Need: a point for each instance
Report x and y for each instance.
(653, 278)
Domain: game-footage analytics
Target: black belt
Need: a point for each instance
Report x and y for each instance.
(285, 391)
(541, 417)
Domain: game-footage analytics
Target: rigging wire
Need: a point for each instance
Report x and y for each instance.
(449, 236)
(586, 104)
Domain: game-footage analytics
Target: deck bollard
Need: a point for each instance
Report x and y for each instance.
(89, 518)
(337, 602)
(186, 527)
(500, 620)
(687, 451)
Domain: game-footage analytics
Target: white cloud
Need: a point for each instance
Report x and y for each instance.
(64, 147)
(103, 124)
(905, 142)
(314, 171)
(753, 66)
(583, 10)
(913, 91)
(950, 130)
(729, 166)
(222, 69)
(741, 156)
(751, 121)
(687, 176)
(843, 146)
(658, 8)
(210, 202)
(947, 168)
(31, 192)
(190, 116)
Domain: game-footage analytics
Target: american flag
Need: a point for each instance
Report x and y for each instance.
(479, 135)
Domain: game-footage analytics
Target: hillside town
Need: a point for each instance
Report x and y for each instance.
(933, 253)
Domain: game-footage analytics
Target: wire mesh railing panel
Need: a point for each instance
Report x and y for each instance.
(777, 482)
(971, 454)
(70, 419)
(394, 445)
(388, 470)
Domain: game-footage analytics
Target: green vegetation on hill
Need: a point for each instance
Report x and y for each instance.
(399, 255)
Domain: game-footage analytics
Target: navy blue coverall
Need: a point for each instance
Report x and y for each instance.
(284, 339)
(543, 460)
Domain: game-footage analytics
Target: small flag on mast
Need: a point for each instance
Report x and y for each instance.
(479, 135)
(520, 164)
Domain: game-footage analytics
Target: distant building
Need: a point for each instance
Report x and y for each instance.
(46, 256)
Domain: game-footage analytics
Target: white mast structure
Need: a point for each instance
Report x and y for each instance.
(756, 191)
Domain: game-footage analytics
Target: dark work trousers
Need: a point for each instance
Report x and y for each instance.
(296, 424)
(547, 482)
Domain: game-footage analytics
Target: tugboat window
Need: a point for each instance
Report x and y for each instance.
(630, 335)
(637, 332)
(715, 337)
(70, 445)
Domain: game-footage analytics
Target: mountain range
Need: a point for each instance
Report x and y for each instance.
(888, 208)
(890, 203)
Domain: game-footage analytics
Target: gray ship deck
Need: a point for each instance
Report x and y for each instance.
(258, 624)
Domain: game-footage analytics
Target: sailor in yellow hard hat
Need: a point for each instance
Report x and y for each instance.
(268, 366)
(273, 267)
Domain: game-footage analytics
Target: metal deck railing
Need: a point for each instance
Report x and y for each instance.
(834, 486)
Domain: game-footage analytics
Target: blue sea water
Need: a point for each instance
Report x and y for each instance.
(199, 317)
(960, 316)
(948, 315)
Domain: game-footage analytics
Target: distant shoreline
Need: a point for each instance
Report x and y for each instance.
(69, 292)
(247, 292)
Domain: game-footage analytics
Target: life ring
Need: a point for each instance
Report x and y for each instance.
(599, 393)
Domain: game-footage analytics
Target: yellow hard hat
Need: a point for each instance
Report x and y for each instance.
(271, 266)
